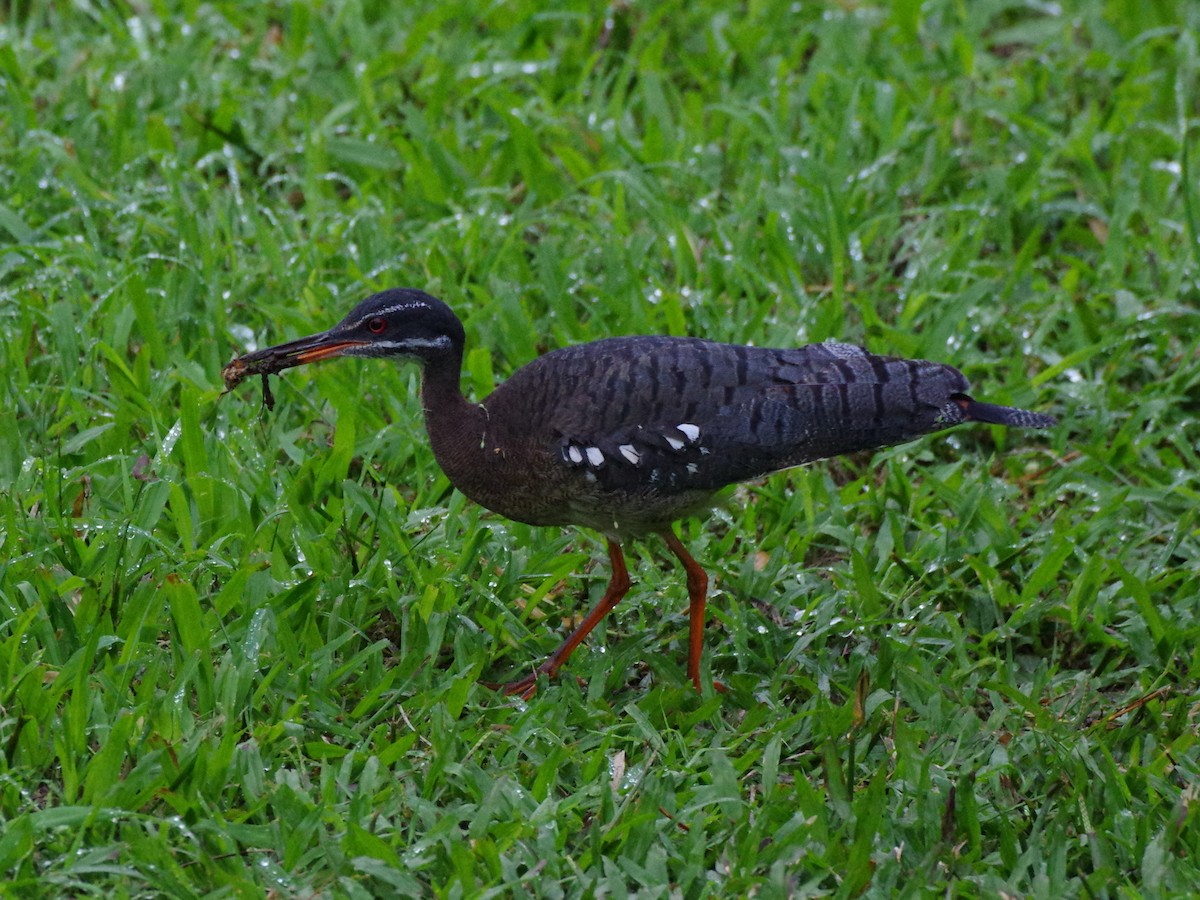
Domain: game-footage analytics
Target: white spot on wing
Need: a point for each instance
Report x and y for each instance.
(573, 452)
(675, 443)
(692, 468)
(690, 431)
(630, 453)
(595, 457)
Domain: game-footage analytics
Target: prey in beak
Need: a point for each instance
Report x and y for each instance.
(273, 360)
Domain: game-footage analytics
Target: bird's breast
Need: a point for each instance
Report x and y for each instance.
(618, 490)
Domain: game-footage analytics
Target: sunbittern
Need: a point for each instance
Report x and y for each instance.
(625, 435)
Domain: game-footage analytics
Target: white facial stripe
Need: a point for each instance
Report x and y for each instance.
(414, 343)
(388, 310)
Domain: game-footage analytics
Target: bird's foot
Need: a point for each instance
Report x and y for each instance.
(694, 678)
(524, 688)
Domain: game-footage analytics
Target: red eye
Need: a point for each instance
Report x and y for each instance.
(377, 325)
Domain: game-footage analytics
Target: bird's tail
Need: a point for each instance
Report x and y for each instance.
(975, 411)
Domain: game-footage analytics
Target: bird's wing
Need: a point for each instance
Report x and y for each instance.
(689, 414)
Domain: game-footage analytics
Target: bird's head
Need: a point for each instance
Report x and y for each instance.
(402, 323)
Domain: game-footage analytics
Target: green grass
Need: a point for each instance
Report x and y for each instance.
(239, 651)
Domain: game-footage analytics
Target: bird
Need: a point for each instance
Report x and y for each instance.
(627, 435)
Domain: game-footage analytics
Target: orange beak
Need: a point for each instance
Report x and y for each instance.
(313, 348)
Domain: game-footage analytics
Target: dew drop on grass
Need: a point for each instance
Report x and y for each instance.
(169, 441)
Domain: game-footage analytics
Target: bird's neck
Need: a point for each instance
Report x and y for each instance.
(455, 425)
(489, 456)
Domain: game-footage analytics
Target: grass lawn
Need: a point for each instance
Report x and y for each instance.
(240, 651)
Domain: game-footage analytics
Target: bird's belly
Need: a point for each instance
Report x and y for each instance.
(629, 514)
(531, 497)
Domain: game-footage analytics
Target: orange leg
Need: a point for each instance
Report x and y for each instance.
(697, 582)
(618, 587)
